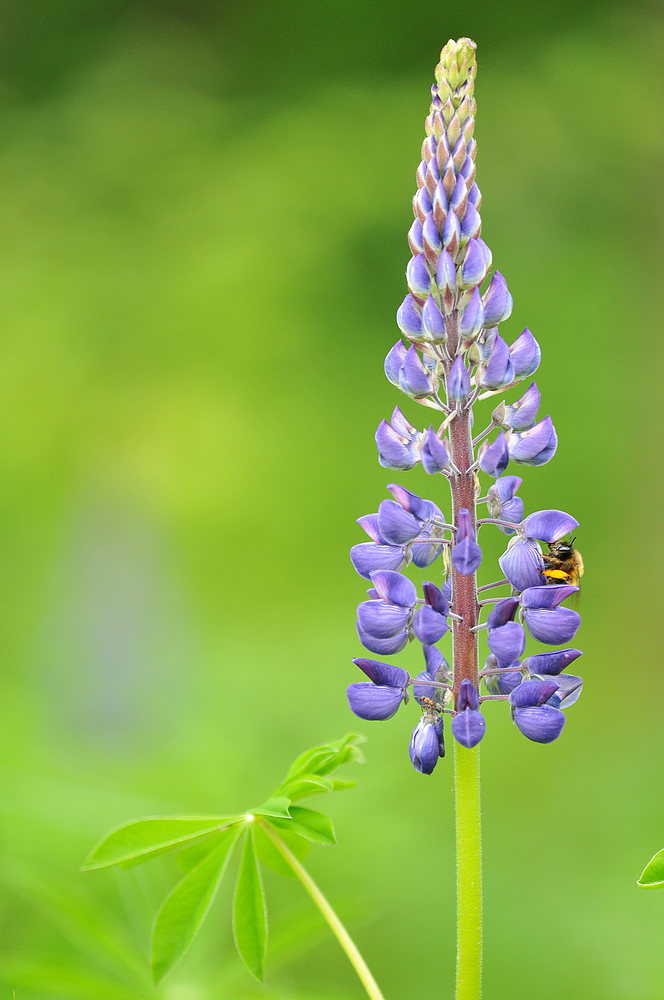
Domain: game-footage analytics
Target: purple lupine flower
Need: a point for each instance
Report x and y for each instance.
(546, 621)
(536, 446)
(526, 355)
(503, 678)
(539, 721)
(430, 621)
(498, 371)
(399, 444)
(494, 459)
(468, 725)
(458, 386)
(455, 359)
(427, 744)
(521, 416)
(381, 695)
(376, 554)
(433, 324)
(503, 504)
(522, 563)
(549, 525)
(507, 642)
(437, 669)
(434, 454)
(497, 301)
(466, 553)
(414, 379)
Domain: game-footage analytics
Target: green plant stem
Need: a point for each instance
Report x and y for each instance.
(469, 873)
(337, 928)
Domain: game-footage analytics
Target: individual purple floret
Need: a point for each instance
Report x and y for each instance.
(380, 697)
(435, 457)
(521, 416)
(536, 719)
(536, 446)
(468, 725)
(458, 386)
(503, 504)
(437, 669)
(495, 457)
(427, 744)
(522, 563)
(497, 301)
(398, 444)
(507, 642)
(526, 355)
(454, 361)
(546, 621)
(466, 553)
(498, 372)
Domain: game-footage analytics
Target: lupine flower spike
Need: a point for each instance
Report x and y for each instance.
(454, 357)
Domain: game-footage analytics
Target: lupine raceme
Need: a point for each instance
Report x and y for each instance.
(454, 359)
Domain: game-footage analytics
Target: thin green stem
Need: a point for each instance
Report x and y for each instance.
(469, 873)
(337, 928)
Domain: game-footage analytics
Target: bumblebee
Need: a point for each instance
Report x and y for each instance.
(563, 563)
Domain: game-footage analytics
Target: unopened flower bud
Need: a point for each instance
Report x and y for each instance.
(458, 386)
(446, 279)
(409, 318)
(433, 324)
(497, 301)
(466, 553)
(526, 354)
(495, 457)
(498, 372)
(434, 453)
(418, 276)
(414, 379)
(472, 318)
(535, 446)
(522, 415)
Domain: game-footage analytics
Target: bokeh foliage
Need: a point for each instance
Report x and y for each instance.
(203, 216)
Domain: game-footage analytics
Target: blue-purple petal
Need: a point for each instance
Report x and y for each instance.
(468, 728)
(551, 663)
(502, 612)
(424, 747)
(395, 524)
(522, 563)
(395, 588)
(532, 692)
(466, 557)
(383, 673)
(553, 627)
(381, 620)
(547, 597)
(367, 557)
(383, 647)
(541, 724)
(549, 525)
(428, 625)
(507, 642)
(373, 701)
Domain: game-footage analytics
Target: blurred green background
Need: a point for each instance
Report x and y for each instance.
(203, 217)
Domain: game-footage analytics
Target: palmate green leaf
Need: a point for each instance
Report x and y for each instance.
(193, 854)
(317, 762)
(184, 909)
(145, 838)
(653, 873)
(249, 912)
(270, 856)
(276, 806)
(314, 826)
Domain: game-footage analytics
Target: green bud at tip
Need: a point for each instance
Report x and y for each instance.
(457, 65)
